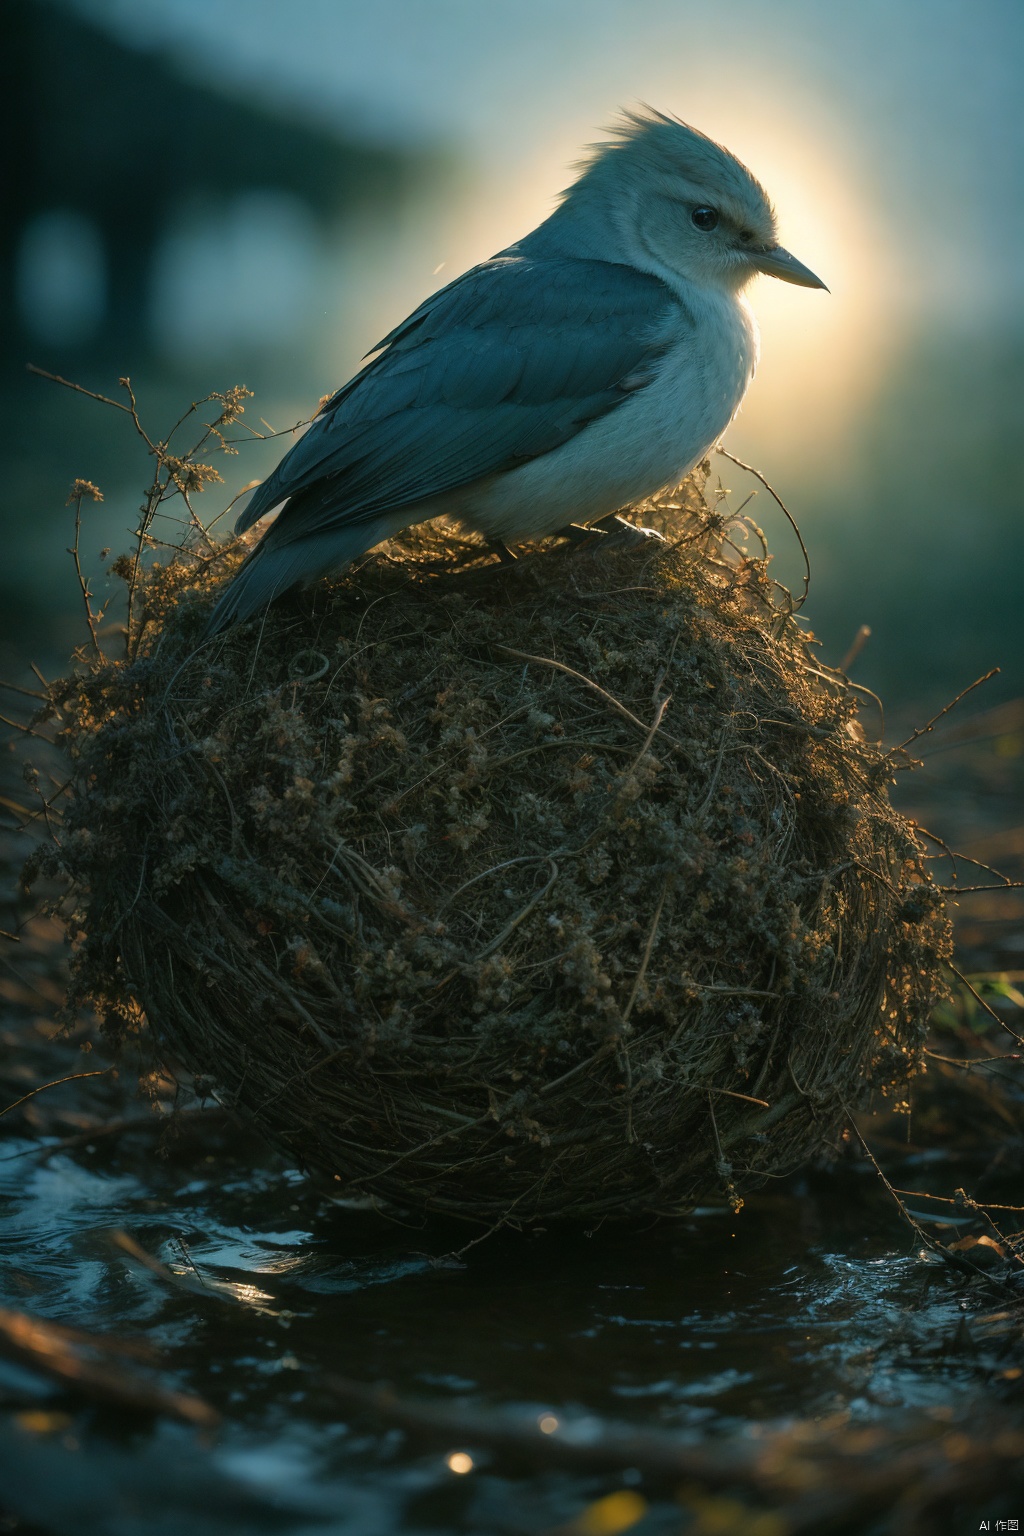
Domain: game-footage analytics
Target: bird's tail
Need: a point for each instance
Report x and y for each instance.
(273, 569)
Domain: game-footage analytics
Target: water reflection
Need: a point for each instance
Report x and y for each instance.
(259, 1290)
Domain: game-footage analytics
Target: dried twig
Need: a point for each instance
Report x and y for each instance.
(788, 515)
(929, 725)
(89, 1363)
(72, 1077)
(79, 489)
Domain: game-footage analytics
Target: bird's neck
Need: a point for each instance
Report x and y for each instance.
(582, 228)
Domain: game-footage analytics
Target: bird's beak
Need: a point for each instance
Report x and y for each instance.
(779, 263)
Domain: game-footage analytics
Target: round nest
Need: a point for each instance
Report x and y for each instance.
(563, 889)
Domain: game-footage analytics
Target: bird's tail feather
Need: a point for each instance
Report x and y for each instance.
(272, 569)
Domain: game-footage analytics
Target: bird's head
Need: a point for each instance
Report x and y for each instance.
(680, 204)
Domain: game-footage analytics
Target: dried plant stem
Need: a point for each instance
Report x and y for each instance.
(72, 1077)
(75, 553)
(750, 470)
(648, 948)
(929, 725)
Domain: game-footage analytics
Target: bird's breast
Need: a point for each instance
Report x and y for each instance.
(651, 440)
(697, 391)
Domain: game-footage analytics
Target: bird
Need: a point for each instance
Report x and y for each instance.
(576, 372)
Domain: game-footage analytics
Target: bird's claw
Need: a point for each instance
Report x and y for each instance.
(614, 532)
(504, 554)
(579, 533)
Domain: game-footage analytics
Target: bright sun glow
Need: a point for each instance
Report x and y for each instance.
(821, 354)
(459, 1462)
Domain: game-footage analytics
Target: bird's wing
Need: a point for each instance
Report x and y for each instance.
(506, 363)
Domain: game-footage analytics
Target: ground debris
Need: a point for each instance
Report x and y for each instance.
(95, 1366)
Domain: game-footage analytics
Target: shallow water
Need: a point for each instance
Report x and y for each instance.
(812, 1302)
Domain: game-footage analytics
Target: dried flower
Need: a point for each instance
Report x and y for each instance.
(232, 401)
(82, 488)
(190, 477)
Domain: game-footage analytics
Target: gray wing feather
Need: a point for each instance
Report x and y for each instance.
(506, 363)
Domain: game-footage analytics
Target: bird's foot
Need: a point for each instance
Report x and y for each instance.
(622, 534)
(504, 554)
(613, 532)
(578, 534)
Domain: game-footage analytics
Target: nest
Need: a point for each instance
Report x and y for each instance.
(566, 889)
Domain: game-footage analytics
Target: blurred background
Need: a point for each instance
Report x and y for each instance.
(200, 195)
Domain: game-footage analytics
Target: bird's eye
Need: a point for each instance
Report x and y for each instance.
(704, 218)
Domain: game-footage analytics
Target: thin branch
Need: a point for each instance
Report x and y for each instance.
(976, 1063)
(858, 643)
(79, 389)
(983, 1004)
(78, 491)
(648, 949)
(788, 515)
(29, 693)
(957, 1260)
(581, 677)
(923, 730)
(74, 1077)
(966, 890)
(958, 858)
(986, 1205)
(521, 917)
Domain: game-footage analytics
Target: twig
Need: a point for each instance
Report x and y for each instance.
(581, 677)
(43, 1151)
(957, 1260)
(79, 389)
(930, 725)
(965, 890)
(79, 489)
(520, 917)
(812, 1477)
(858, 643)
(69, 1355)
(789, 518)
(655, 728)
(957, 858)
(525, 858)
(73, 1077)
(648, 949)
(976, 1063)
(29, 693)
(988, 1205)
(983, 1004)
(747, 1098)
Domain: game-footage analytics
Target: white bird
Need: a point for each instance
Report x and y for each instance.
(578, 371)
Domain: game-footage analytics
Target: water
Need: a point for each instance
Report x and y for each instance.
(813, 1303)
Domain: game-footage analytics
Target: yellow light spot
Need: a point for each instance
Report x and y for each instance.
(548, 1424)
(459, 1462)
(1009, 746)
(39, 1421)
(617, 1512)
(728, 1517)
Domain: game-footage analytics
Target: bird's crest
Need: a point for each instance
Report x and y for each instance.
(660, 142)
